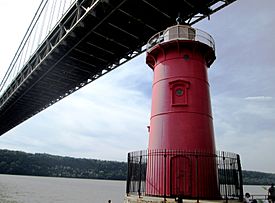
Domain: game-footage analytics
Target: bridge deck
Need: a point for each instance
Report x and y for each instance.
(93, 38)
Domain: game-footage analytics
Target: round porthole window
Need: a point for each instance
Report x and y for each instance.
(179, 92)
(186, 57)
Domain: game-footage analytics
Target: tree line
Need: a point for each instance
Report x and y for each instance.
(21, 163)
(258, 178)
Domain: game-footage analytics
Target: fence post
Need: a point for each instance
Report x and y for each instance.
(128, 175)
(197, 178)
(225, 177)
(241, 177)
(139, 184)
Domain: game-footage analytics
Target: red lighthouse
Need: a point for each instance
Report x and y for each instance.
(181, 118)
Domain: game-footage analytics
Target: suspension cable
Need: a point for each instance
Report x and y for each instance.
(23, 43)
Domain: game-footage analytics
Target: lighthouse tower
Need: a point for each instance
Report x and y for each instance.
(181, 118)
(181, 162)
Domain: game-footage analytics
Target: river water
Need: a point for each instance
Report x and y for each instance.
(31, 189)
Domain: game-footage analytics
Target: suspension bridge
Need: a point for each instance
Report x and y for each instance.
(69, 44)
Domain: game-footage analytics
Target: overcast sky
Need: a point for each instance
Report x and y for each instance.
(108, 118)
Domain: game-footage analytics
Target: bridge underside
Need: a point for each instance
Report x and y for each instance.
(93, 38)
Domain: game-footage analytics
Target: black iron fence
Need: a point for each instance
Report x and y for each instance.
(181, 174)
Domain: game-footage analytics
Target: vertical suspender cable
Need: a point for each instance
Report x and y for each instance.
(51, 16)
(43, 31)
(42, 22)
(64, 4)
(59, 9)
(26, 53)
(33, 38)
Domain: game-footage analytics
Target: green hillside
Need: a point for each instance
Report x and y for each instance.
(258, 178)
(21, 163)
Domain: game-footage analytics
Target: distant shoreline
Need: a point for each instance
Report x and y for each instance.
(59, 177)
(46, 165)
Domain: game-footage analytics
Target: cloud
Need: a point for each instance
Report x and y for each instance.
(247, 128)
(259, 98)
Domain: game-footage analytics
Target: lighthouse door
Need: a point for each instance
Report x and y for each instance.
(180, 176)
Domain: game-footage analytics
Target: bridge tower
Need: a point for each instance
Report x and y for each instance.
(181, 118)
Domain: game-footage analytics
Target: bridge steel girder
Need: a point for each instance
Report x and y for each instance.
(93, 38)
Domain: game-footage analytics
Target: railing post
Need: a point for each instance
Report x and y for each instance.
(241, 177)
(197, 178)
(128, 175)
(139, 184)
(225, 177)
